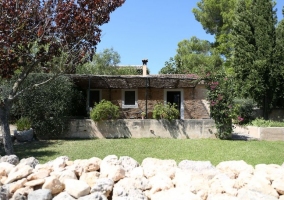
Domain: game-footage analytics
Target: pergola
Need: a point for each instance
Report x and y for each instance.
(164, 81)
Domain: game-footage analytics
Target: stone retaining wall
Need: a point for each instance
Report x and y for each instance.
(138, 128)
(262, 133)
(123, 178)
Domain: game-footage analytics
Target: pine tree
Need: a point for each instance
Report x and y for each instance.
(278, 73)
(254, 45)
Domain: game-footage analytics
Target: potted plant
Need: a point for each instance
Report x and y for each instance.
(24, 131)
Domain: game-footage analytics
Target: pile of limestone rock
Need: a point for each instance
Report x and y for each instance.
(125, 179)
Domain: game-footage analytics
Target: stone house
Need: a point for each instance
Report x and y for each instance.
(139, 93)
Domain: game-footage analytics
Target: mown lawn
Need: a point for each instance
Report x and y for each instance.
(253, 152)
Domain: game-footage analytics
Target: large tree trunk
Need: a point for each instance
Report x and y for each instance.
(5, 129)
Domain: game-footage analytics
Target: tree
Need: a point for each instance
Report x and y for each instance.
(106, 63)
(44, 34)
(193, 56)
(103, 63)
(170, 67)
(278, 73)
(254, 44)
(52, 105)
(216, 17)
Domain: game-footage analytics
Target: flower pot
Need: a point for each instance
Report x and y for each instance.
(24, 136)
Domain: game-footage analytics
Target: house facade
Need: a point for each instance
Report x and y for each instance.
(140, 93)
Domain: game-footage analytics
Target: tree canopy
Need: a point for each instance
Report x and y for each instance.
(193, 56)
(254, 40)
(217, 18)
(45, 35)
(107, 63)
(103, 63)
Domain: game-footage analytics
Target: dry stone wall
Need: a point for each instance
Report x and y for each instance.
(125, 179)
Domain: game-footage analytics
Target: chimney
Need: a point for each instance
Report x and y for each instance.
(144, 67)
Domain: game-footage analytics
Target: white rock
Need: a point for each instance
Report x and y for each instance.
(133, 183)
(261, 185)
(103, 185)
(18, 173)
(271, 171)
(31, 161)
(90, 177)
(128, 164)
(57, 172)
(221, 197)
(35, 182)
(205, 169)
(245, 194)
(53, 184)
(12, 159)
(42, 194)
(93, 164)
(16, 185)
(153, 166)
(278, 185)
(111, 168)
(63, 196)
(94, 196)
(40, 174)
(129, 194)
(197, 166)
(24, 191)
(76, 188)
(67, 174)
(110, 160)
(59, 162)
(88, 165)
(160, 182)
(136, 173)
(114, 172)
(81, 166)
(281, 197)
(18, 196)
(242, 180)
(174, 193)
(234, 168)
(3, 172)
(195, 183)
(222, 184)
(7, 167)
(4, 192)
(43, 166)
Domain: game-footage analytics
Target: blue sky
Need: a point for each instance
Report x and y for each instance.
(152, 29)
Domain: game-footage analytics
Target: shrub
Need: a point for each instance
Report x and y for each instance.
(266, 123)
(244, 111)
(104, 110)
(165, 111)
(24, 123)
(50, 105)
(222, 108)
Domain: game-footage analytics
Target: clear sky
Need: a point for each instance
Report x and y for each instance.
(151, 29)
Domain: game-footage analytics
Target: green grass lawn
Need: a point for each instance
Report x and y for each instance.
(216, 151)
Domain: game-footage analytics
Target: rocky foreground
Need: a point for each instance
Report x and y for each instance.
(125, 179)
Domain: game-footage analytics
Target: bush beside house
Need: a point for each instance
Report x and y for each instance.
(49, 106)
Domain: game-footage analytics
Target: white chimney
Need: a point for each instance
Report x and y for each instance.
(144, 67)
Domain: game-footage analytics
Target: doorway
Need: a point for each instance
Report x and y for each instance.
(175, 96)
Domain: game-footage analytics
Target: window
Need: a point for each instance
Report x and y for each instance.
(129, 99)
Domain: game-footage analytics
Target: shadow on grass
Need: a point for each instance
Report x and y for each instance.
(34, 149)
(243, 137)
